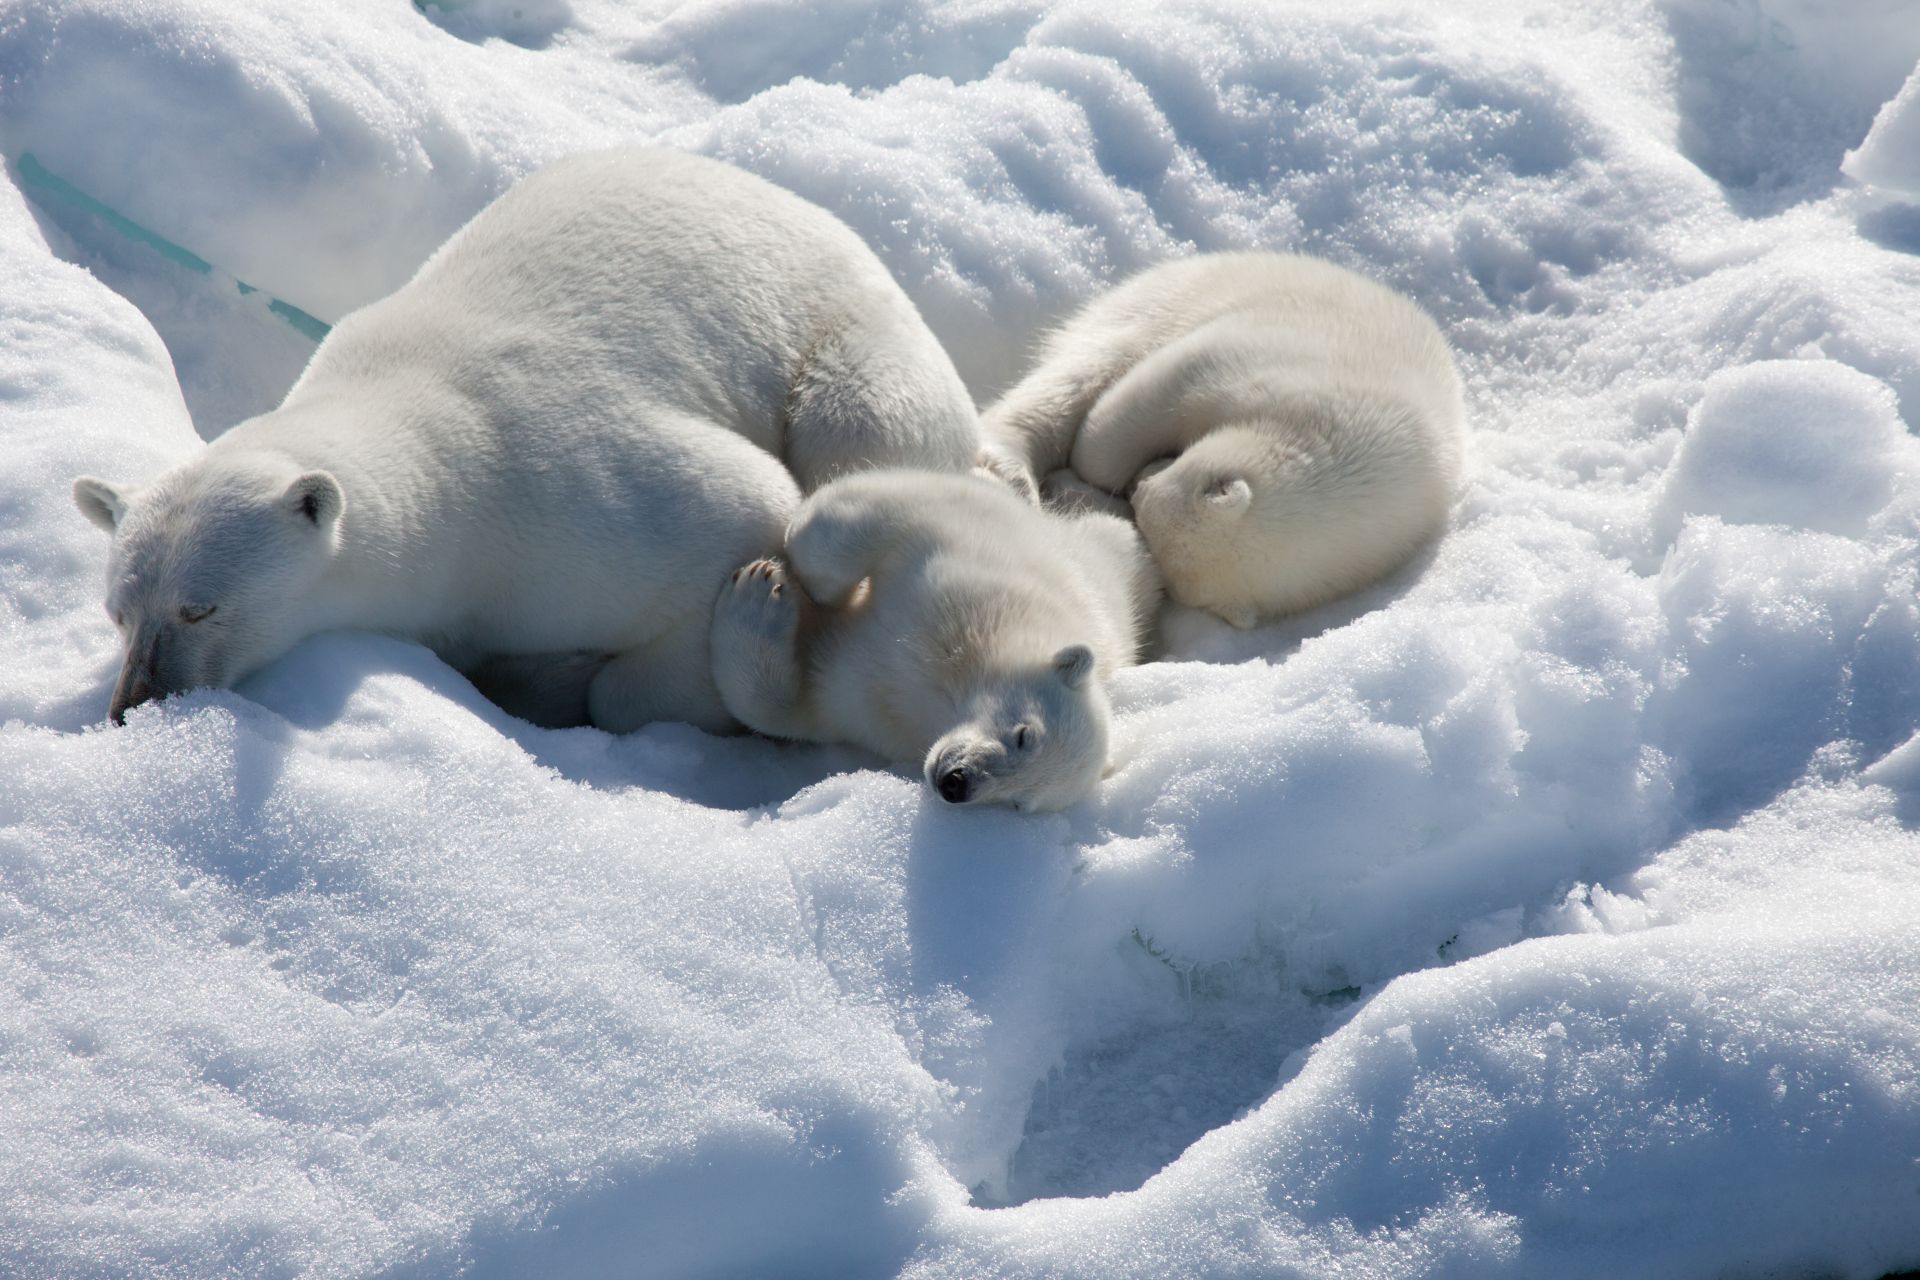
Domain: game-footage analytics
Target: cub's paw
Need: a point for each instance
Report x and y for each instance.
(759, 603)
(754, 649)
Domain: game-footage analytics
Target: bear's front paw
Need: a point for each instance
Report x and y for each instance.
(754, 649)
(761, 602)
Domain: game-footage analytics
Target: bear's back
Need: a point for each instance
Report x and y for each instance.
(1335, 314)
(630, 278)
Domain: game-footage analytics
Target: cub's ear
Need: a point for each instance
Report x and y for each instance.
(99, 502)
(1229, 495)
(315, 497)
(1073, 665)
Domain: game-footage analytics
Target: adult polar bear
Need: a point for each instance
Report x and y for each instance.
(560, 435)
(1290, 430)
(941, 621)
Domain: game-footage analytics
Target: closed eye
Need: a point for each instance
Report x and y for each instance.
(1021, 737)
(192, 613)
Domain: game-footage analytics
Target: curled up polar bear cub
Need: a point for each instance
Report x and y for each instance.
(1285, 430)
(945, 622)
(548, 448)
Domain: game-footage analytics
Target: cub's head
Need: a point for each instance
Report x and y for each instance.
(210, 563)
(1038, 743)
(1205, 517)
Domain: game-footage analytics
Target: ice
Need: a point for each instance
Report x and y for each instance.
(1544, 910)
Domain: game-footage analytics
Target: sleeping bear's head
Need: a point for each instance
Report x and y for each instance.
(210, 565)
(1038, 743)
(1262, 518)
(1205, 516)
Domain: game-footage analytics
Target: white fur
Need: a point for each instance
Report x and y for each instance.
(1287, 431)
(558, 437)
(941, 621)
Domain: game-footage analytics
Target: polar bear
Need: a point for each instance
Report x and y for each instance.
(1286, 431)
(946, 622)
(598, 397)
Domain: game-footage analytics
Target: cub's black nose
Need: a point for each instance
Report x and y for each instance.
(955, 786)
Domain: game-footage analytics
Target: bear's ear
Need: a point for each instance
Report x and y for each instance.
(99, 502)
(1073, 665)
(1227, 496)
(315, 497)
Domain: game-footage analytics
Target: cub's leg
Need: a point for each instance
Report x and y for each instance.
(1170, 399)
(755, 648)
(1029, 431)
(667, 678)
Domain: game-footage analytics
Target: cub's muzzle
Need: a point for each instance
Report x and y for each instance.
(954, 785)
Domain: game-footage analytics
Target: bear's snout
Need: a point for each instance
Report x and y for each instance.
(953, 774)
(954, 786)
(132, 689)
(139, 677)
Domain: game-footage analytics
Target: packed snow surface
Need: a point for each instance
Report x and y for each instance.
(1549, 910)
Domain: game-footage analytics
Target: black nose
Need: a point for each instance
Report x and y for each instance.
(954, 786)
(134, 687)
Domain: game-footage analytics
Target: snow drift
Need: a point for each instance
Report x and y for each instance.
(1545, 910)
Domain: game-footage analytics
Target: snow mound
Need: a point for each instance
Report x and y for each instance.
(1812, 444)
(1769, 91)
(1545, 910)
(1889, 156)
(1524, 1113)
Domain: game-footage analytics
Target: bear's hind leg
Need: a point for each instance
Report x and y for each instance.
(546, 689)
(667, 678)
(755, 647)
(1170, 399)
(1028, 432)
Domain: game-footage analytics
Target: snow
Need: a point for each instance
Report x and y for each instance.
(1811, 444)
(1889, 156)
(1545, 910)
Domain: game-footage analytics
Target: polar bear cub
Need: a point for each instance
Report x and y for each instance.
(942, 621)
(587, 407)
(1286, 430)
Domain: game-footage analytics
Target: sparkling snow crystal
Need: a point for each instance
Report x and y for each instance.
(1548, 910)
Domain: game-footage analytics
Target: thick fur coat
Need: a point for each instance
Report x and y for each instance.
(1284, 430)
(597, 398)
(945, 622)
